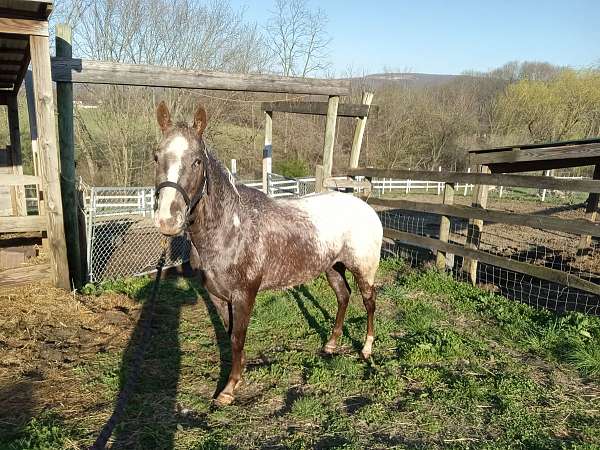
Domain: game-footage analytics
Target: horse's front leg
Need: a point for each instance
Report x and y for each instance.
(241, 307)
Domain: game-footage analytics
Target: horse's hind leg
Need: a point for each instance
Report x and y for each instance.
(366, 285)
(337, 280)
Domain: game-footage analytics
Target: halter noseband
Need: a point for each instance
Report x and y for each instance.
(190, 203)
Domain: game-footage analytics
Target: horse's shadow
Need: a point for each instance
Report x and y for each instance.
(302, 293)
(153, 414)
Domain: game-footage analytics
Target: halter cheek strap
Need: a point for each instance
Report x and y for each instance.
(190, 203)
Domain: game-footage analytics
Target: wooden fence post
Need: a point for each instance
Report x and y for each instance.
(42, 83)
(64, 100)
(319, 178)
(17, 193)
(37, 165)
(359, 131)
(591, 212)
(329, 141)
(480, 198)
(443, 259)
(267, 151)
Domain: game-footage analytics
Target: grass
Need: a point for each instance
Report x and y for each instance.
(453, 367)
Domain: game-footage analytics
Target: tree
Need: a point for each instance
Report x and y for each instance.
(297, 38)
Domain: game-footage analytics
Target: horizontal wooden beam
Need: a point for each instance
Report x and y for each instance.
(591, 150)
(13, 51)
(320, 108)
(573, 226)
(101, 72)
(23, 27)
(24, 275)
(493, 179)
(346, 183)
(18, 180)
(24, 224)
(544, 273)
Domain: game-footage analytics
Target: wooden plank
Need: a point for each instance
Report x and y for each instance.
(493, 179)
(442, 259)
(17, 192)
(22, 224)
(329, 140)
(23, 26)
(573, 226)
(319, 108)
(359, 131)
(66, 142)
(24, 275)
(267, 151)
(346, 183)
(544, 273)
(18, 180)
(532, 166)
(102, 72)
(480, 198)
(12, 51)
(591, 150)
(591, 213)
(44, 108)
(319, 178)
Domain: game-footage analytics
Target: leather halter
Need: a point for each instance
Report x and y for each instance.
(190, 203)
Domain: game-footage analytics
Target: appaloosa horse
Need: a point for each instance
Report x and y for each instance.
(245, 242)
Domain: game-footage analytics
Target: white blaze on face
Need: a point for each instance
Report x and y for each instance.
(174, 154)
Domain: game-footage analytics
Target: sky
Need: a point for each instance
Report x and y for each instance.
(449, 37)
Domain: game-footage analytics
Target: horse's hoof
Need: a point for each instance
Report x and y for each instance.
(224, 399)
(329, 349)
(365, 354)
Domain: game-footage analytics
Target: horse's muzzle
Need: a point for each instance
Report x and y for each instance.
(171, 226)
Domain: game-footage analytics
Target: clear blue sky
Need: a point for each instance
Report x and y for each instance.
(448, 37)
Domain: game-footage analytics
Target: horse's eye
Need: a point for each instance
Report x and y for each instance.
(155, 158)
(196, 163)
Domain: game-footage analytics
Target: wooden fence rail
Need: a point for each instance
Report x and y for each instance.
(479, 213)
(490, 179)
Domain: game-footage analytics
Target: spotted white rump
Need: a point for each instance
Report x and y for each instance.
(345, 226)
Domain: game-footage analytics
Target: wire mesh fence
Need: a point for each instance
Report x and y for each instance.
(556, 250)
(122, 239)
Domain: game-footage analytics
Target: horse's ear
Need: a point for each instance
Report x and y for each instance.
(163, 116)
(200, 120)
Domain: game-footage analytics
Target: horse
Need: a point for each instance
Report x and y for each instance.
(243, 241)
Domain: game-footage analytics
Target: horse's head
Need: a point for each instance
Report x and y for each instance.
(180, 178)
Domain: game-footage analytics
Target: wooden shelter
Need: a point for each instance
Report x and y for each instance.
(24, 42)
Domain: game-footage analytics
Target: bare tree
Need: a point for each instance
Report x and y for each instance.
(298, 38)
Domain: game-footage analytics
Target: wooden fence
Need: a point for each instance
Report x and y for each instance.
(477, 214)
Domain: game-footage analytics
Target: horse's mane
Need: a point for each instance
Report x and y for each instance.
(221, 172)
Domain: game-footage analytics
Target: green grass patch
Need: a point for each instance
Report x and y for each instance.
(453, 367)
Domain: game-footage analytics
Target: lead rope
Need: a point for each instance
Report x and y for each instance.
(138, 357)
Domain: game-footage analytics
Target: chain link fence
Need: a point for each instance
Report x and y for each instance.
(122, 240)
(539, 247)
(121, 237)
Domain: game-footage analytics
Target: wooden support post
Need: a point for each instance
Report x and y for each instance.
(330, 135)
(319, 178)
(267, 151)
(359, 132)
(44, 108)
(443, 259)
(234, 168)
(480, 198)
(17, 193)
(591, 213)
(64, 104)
